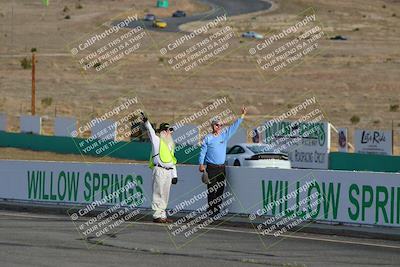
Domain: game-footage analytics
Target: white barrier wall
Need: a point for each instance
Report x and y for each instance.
(353, 197)
(64, 126)
(30, 124)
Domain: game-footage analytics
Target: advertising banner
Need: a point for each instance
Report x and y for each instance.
(307, 143)
(373, 142)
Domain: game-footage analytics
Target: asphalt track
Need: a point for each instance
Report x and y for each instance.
(218, 8)
(31, 239)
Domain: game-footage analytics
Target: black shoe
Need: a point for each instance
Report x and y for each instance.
(159, 220)
(168, 220)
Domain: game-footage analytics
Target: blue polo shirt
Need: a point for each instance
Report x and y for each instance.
(213, 148)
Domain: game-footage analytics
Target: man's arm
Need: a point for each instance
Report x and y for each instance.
(233, 128)
(149, 128)
(202, 156)
(152, 133)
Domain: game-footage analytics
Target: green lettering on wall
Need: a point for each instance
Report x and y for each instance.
(61, 177)
(33, 185)
(366, 204)
(310, 201)
(95, 184)
(88, 190)
(105, 184)
(354, 215)
(398, 205)
(270, 196)
(43, 177)
(330, 199)
(52, 196)
(381, 204)
(73, 185)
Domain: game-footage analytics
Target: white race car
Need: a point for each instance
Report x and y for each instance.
(256, 156)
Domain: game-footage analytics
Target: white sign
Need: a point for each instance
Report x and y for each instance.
(64, 126)
(30, 124)
(345, 196)
(342, 140)
(373, 142)
(104, 130)
(307, 143)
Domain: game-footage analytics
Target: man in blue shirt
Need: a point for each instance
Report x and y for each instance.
(212, 159)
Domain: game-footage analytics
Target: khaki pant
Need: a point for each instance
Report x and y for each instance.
(161, 185)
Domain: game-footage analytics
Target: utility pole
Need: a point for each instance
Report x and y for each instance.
(33, 98)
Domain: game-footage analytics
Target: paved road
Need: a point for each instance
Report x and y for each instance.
(52, 240)
(219, 7)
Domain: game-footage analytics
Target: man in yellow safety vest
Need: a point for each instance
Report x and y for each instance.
(163, 163)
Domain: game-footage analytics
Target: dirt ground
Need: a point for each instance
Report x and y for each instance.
(356, 78)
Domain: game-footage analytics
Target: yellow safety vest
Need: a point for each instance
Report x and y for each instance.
(166, 155)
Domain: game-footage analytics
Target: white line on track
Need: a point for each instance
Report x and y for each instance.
(225, 230)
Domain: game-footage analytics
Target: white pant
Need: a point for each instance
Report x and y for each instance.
(161, 185)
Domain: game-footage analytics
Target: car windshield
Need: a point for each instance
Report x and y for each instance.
(256, 149)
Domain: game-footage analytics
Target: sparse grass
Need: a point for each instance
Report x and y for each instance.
(46, 102)
(26, 63)
(377, 121)
(394, 107)
(355, 119)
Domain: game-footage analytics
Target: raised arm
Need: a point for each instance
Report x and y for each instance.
(149, 128)
(152, 133)
(231, 130)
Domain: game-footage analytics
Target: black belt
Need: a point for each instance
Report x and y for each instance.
(158, 165)
(215, 165)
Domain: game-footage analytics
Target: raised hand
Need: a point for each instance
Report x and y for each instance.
(244, 111)
(144, 117)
